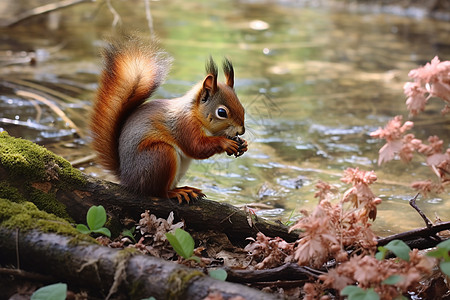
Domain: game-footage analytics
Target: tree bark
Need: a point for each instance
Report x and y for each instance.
(200, 215)
(106, 272)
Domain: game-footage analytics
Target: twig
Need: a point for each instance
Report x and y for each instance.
(53, 107)
(42, 10)
(38, 110)
(288, 271)
(284, 284)
(25, 83)
(148, 15)
(228, 217)
(26, 275)
(83, 160)
(427, 221)
(17, 248)
(416, 234)
(114, 12)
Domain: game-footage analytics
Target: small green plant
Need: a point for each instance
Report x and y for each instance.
(441, 252)
(219, 274)
(130, 233)
(356, 293)
(57, 291)
(96, 218)
(183, 244)
(398, 247)
(290, 222)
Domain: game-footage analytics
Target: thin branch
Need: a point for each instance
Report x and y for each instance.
(415, 235)
(114, 12)
(17, 248)
(148, 15)
(412, 202)
(83, 160)
(285, 272)
(53, 107)
(26, 275)
(41, 10)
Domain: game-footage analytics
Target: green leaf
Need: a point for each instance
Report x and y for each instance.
(399, 248)
(382, 253)
(371, 295)
(129, 233)
(57, 291)
(96, 217)
(149, 298)
(445, 245)
(219, 274)
(393, 279)
(438, 253)
(103, 230)
(182, 242)
(357, 293)
(195, 258)
(445, 267)
(351, 289)
(83, 229)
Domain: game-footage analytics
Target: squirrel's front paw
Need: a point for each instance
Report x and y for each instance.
(242, 146)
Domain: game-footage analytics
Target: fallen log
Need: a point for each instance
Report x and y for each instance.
(111, 273)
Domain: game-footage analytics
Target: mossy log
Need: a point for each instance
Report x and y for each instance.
(112, 273)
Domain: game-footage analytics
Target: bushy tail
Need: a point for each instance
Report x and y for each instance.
(132, 72)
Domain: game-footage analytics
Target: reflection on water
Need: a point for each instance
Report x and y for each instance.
(314, 83)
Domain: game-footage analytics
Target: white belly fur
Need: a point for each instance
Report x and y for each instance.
(183, 164)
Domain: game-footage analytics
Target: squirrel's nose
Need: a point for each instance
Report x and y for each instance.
(241, 132)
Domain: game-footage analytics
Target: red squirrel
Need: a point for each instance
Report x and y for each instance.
(150, 144)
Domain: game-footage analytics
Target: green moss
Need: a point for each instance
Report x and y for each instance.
(48, 202)
(39, 173)
(24, 159)
(27, 216)
(9, 192)
(178, 281)
(135, 290)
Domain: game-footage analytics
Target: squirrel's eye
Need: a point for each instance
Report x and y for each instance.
(222, 113)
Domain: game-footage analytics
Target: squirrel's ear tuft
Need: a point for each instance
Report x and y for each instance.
(210, 81)
(229, 72)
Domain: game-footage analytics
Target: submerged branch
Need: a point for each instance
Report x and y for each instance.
(41, 10)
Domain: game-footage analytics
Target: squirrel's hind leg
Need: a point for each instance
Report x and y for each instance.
(185, 193)
(157, 170)
(151, 171)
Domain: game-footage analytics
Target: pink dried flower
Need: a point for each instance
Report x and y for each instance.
(355, 176)
(428, 72)
(271, 252)
(409, 145)
(395, 142)
(324, 190)
(431, 80)
(416, 97)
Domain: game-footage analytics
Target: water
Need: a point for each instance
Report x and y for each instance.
(314, 81)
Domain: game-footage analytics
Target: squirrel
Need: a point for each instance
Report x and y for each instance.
(149, 145)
